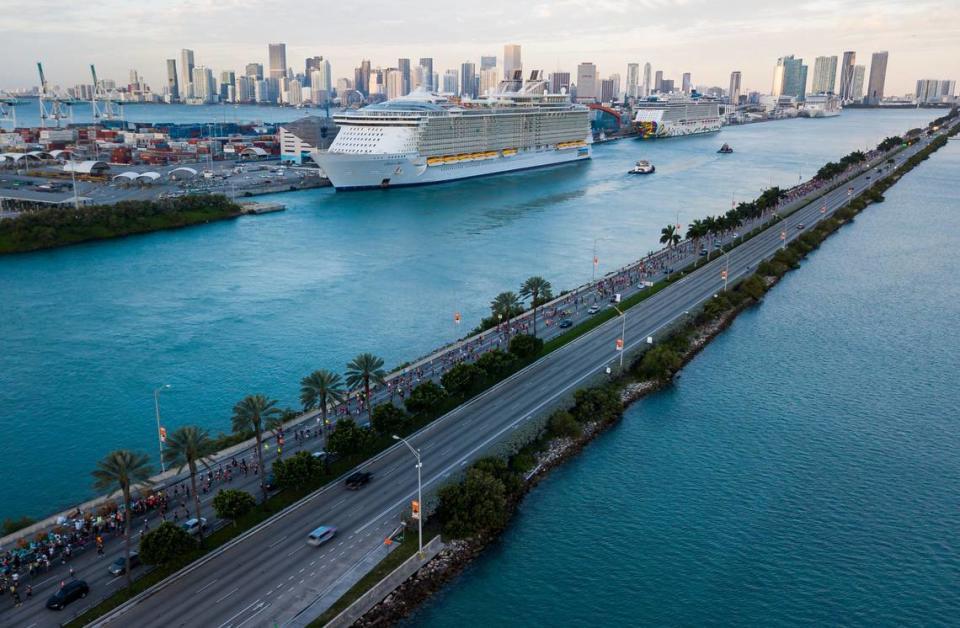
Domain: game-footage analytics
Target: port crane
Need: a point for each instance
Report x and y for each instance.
(105, 105)
(8, 110)
(53, 106)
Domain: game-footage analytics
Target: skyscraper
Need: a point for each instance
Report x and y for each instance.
(173, 86)
(468, 79)
(790, 78)
(685, 85)
(403, 65)
(511, 60)
(278, 60)
(490, 78)
(856, 87)
(646, 79)
(254, 71)
(559, 81)
(362, 78)
(487, 62)
(658, 81)
(734, 91)
(186, 74)
(633, 80)
(587, 84)
(878, 76)
(607, 90)
(450, 80)
(824, 75)
(394, 82)
(427, 64)
(204, 89)
(846, 75)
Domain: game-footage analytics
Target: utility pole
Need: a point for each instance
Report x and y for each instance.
(419, 508)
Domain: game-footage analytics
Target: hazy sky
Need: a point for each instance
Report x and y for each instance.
(706, 37)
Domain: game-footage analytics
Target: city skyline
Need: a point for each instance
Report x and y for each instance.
(578, 33)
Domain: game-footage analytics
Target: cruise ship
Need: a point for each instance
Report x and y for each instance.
(821, 106)
(425, 138)
(675, 116)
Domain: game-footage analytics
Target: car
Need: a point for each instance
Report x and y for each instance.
(868, 177)
(69, 592)
(117, 568)
(566, 323)
(593, 309)
(193, 525)
(319, 455)
(800, 226)
(703, 251)
(321, 535)
(270, 482)
(358, 480)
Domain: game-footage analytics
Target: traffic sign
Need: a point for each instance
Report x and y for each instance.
(415, 509)
(163, 434)
(723, 274)
(619, 344)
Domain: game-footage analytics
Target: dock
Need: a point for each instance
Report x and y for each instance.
(262, 208)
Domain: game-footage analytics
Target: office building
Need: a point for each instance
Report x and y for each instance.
(856, 88)
(790, 78)
(824, 75)
(658, 81)
(733, 93)
(186, 74)
(294, 93)
(607, 90)
(245, 89)
(277, 60)
(393, 83)
(846, 75)
(560, 82)
(403, 65)
(254, 71)
(173, 85)
(878, 76)
(449, 82)
(468, 80)
(428, 81)
(685, 83)
(666, 86)
(511, 60)
(361, 78)
(227, 88)
(204, 88)
(633, 80)
(489, 80)
(487, 62)
(588, 88)
(646, 87)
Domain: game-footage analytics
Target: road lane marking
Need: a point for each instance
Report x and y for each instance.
(262, 607)
(278, 541)
(338, 502)
(295, 551)
(238, 614)
(228, 595)
(114, 581)
(445, 451)
(302, 570)
(312, 563)
(209, 584)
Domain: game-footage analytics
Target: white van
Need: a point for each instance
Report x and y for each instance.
(321, 535)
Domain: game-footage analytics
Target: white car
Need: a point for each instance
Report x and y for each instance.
(593, 309)
(321, 535)
(193, 526)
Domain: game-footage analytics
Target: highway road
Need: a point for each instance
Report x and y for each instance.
(270, 574)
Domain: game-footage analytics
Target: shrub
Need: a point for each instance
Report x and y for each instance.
(388, 419)
(427, 399)
(476, 506)
(659, 363)
(165, 543)
(754, 287)
(498, 365)
(297, 471)
(463, 379)
(522, 461)
(232, 503)
(526, 347)
(563, 425)
(596, 404)
(348, 438)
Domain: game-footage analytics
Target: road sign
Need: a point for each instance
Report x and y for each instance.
(619, 344)
(783, 235)
(823, 210)
(163, 434)
(415, 510)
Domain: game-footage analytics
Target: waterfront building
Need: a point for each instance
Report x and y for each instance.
(587, 86)
(321, 81)
(277, 54)
(878, 76)
(245, 89)
(856, 88)
(511, 60)
(204, 88)
(789, 78)
(254, 71)
(228, 81)
(393, 82)
(615, 79)
(733, 93)
(403, 65)
(294, 93)
(658, 81)
(450, 82)
(490, 78)
(608, 91)
(633, 80)
(847, 69)
(361, 78)
(468, 79)
(428, 78)
(646, 80)
(666, 86)
(685, 83)
(186, 72)
(824, 75)
(559, 81)
(487, 62)
(173, 85)
(344, 85)
(934, 91)
(301, 138)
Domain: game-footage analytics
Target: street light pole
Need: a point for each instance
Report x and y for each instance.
(156, 407)
(416, 454)
(623, 334)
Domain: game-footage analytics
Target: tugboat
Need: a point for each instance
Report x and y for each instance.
(643, 167)
(725, 149)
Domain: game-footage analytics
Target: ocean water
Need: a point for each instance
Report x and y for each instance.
(802, 471)
(251, 305)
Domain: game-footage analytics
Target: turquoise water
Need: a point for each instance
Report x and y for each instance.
(252, 305)
(802, 471)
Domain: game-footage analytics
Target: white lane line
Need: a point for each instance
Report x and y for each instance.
(339, 501)
(295, 551)
(445, 451)
(228, 595)
(278, 541)
(290, 578)
(32, 625)
(114, 581)
(312, 563)
(463, 463)
(301, 581)
(209, 584)
(42, 582)
(302, 570)
(262, 607)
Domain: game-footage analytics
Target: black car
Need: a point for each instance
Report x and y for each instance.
(565, 323)
(117, 567)
(358, 479)
(71, 591)
(270, 483)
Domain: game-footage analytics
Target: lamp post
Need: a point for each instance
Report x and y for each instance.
(416, 454)
(156, 407)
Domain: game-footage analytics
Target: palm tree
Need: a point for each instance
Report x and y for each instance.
(539, 290)
(505, 305)
(319, 389)
(185, 447)
(123, 468)
(669, 236)
(252, 412)
(364, 369)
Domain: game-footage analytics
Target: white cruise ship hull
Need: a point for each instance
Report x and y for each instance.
(363, 172)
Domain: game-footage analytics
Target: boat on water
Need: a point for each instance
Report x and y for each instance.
(675, 116)
(725, 149)
(425, 138)
(643, 167)
(821, 106)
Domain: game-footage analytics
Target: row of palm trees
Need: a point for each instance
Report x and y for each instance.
(506, 305)
(724, 223)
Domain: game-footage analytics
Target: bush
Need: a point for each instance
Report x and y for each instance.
(388, 419)
(165, 543)
(522, 461)
(563, 425)
(427, 399)
(754, 287)
(526, 347)
(232, 503)
(12, 525)
(476, 506)
(297, 471)
(596, 404)
(498, 365)
(659, 363)
(464, 379)
(348, 438)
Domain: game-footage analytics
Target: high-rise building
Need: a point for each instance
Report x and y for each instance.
(173, 85)
(790, 78)
(856, 88)
(186, 74)
(878, 76)
(417, 78)
(685, 84)
(646, 80)
(361, 78)
(393, 79)
(294, 93)
(734, 92)
(658, 81)
(846, 75)
(310, 64)
(245, 89)
(666, 86)
(511, 60)
(633, 80)
(487, 62)
(468, 79)
(489, 79)
(450, 82)
(254, 71)
(204, 88)
(560, 82)
(278, 60)
(427, 64)
(588, 89)
(403, 65)
(228, 83)
(607, 90)
(615, 78)
(824, 75)
(321, 82)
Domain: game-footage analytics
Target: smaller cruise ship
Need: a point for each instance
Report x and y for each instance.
(676, 116)
(821, 106)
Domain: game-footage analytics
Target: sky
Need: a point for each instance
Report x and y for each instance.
(708, 38)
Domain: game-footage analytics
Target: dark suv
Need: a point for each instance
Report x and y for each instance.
(71, 591)
(358, 479)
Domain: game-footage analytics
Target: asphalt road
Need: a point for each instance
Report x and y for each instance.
(271, 574)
